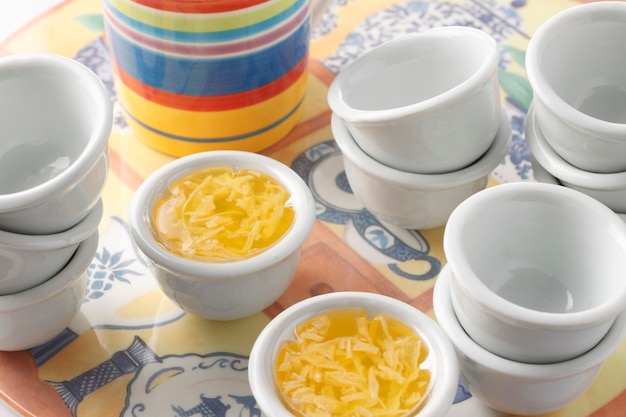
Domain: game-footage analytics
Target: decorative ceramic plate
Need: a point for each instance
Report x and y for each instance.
(131, 352)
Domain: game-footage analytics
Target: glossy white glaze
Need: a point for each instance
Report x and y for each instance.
(410, 200)
(427, 103)
(537, 270)
(515, 387)
(573, 62)
(608, 188)
(223, 290)
(55, 118)
(29, 260)
(33, 317)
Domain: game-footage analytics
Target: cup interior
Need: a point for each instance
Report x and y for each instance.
(543, 248)
(415, 69)
(47, 119)
(581, 56)
(475, 355)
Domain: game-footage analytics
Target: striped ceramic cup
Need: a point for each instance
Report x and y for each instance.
(196, 75)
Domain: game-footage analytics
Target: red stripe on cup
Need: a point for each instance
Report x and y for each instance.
(212, 103)
(195, 6)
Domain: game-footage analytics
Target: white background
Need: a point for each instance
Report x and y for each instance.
(15, 13)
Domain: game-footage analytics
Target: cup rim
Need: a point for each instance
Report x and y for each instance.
(478, 78)
(44, 63)
(72, 236)
(480, 168)
(262, 356)
(541, 174)
(552, 162)
(507, 310)
(543, 90)
(444, 311)
(74, 270)
(145, 196)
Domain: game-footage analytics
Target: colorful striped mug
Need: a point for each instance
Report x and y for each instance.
(193, 76)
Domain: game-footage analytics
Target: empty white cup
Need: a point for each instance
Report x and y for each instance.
(515, 387)
(55, 118)
(426, 103)
(538, 270)
(575, 64)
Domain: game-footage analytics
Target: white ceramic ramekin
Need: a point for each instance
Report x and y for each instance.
(441, 360)
(410, 200)
(55, 118)
(426, 103)
(216, 289)
(537, 270)
(35, 316)
(515, 387)
(574, 64)
(608, 188)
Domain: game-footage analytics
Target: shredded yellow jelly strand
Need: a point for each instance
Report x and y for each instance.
(343, 365)
(218, 213)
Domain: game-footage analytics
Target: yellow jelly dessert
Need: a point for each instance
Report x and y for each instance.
(343, 364)
(222, 214)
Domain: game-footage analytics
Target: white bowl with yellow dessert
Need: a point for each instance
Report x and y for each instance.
(223, 230)
(353, 353)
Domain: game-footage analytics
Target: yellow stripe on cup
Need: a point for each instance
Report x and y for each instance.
(214, 22)
(211, 124)
(178, 148)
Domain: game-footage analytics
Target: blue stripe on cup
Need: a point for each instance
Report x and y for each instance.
(209, 77)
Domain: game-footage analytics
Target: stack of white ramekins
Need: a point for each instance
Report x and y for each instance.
(55, 119)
